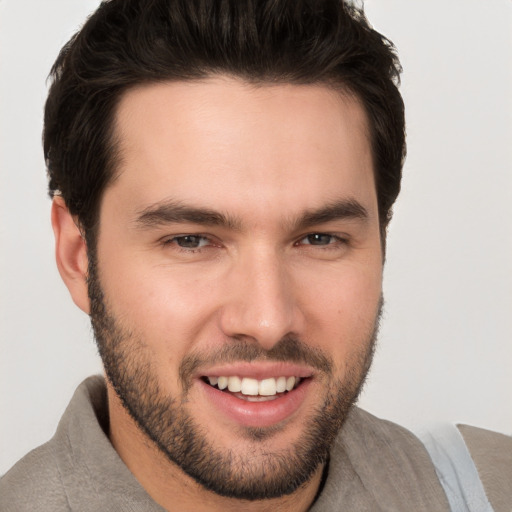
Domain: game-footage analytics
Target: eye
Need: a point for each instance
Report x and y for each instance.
(188, 241)
(320, 239)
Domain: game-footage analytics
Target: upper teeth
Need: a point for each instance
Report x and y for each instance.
(253, 387)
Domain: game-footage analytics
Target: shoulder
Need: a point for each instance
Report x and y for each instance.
(33, 479)
(492, 455)
(390, 458)
(47, 475)
(378, 465)
(367, 428)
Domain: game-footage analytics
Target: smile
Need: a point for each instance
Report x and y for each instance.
(251, 389)
(257, 393)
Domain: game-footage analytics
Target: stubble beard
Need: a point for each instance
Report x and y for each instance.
(257, 473)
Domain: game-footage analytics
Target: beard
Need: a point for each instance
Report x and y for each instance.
(252, 474)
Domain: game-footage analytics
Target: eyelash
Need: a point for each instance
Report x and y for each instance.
(337, 241)
(173, 241)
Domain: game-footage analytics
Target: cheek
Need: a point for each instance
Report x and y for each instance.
(162, 306)
(343, 310)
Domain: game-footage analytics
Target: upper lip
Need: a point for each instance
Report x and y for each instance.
(258, 370)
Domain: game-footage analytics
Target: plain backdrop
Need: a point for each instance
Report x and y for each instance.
(445, 348)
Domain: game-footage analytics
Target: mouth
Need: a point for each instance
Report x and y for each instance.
(256, 394)
(254, 390)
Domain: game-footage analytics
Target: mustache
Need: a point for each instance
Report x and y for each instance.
(289, 349)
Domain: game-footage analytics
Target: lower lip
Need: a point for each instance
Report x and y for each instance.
(257, 414)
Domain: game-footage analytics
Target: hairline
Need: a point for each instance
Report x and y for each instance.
(115, 144)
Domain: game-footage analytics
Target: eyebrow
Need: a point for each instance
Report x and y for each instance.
(336, 210)
(172, 212)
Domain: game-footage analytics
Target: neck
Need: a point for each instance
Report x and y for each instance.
(172, 488)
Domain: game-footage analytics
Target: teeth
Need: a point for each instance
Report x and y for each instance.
(281, 384)
(223, 382)
(267, 387)
(249, 386)
(234, 384)
(253, 387)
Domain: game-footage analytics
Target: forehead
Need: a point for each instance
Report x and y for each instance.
(224, 142)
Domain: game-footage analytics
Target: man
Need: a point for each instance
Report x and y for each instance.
(222, 176)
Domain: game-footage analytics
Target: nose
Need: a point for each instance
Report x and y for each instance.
(261, 303)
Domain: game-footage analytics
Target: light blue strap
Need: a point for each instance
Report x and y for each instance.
(455, 469)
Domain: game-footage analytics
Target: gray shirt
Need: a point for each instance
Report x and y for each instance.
(375, 465)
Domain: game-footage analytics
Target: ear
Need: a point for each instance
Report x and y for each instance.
(70, 253)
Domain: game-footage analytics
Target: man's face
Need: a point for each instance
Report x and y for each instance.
(239, 246)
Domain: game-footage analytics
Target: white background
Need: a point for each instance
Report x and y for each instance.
(445, 348)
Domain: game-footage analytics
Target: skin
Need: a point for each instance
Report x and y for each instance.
(264, 157)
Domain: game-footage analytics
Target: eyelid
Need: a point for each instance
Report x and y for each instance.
(170, 239)
(341, 238)
(338, 239)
